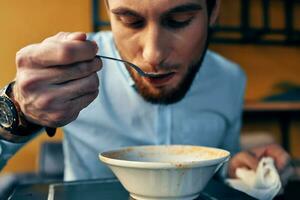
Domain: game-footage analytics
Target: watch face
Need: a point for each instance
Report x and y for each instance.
(6, 115)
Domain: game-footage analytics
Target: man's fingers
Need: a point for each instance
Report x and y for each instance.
(71, 112)
(75, 71)
(250, 161)
(57, 107)
(242, 160)
(67, 36)
(280, 156)
(83, 101)
(57, 52)
(62, 74)
(76, 36)
(79, 87)
(259, 152)
(64, 53)
(282, 160)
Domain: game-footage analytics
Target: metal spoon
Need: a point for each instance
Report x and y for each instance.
(136, 68)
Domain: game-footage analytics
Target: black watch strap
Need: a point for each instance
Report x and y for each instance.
(14, 138)
(50, 131)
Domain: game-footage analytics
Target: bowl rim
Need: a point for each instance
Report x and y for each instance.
(162, 165)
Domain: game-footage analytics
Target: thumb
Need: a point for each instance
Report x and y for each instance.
(76, 36)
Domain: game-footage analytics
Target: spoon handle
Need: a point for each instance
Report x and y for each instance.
(139, 71)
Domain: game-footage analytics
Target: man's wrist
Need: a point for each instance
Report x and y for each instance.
(14, 126)
(31, 127)
(25, 127)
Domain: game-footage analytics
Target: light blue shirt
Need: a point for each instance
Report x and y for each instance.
(209, 114)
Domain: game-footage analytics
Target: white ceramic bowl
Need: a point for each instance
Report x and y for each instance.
(165, 172)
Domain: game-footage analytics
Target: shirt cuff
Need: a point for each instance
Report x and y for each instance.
(7, 150)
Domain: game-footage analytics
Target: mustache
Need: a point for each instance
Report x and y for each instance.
(163, 67)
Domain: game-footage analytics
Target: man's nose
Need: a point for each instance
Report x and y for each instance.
(155, 47)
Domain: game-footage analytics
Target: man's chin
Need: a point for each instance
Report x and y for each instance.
(168, 93)
(162, 95)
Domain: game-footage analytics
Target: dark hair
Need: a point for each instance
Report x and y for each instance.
(210, 6)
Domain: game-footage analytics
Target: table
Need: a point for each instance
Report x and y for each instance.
(284, 112)
(108, 189)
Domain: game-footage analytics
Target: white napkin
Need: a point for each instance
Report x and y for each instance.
(263, 184)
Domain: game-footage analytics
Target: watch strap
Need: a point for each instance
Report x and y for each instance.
(50, 131)
(9, 136)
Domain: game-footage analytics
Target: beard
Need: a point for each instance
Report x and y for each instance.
(167, 96)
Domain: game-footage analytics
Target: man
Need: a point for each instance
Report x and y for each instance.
(197, 99)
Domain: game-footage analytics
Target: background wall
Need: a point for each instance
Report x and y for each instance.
(265, 65)
(30, 21)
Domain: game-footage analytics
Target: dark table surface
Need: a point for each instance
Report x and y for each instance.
(108, 189)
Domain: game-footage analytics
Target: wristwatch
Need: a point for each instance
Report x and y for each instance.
(12, 127)
(9, 119)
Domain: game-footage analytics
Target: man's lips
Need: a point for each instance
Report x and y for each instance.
(160, 79)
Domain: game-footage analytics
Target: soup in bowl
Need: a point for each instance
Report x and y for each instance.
(166, 172)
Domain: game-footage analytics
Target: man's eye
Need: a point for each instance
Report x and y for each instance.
(177, 24)
(177, 21)
(132, 22)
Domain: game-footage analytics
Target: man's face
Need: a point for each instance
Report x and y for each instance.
(167, 37)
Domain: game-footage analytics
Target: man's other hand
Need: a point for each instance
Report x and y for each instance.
(57, 78)
(250, 159)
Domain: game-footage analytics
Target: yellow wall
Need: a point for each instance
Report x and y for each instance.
(264, 65)
(30, 21)
(25, 22)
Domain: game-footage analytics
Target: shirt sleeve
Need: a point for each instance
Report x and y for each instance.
(7, 150)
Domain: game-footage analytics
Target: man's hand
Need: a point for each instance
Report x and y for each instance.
(242, 159)
(57, 78)
(250, 159)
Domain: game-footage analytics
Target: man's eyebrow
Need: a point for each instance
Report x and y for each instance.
(185, 8)
(124, 11)
(182, 8)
